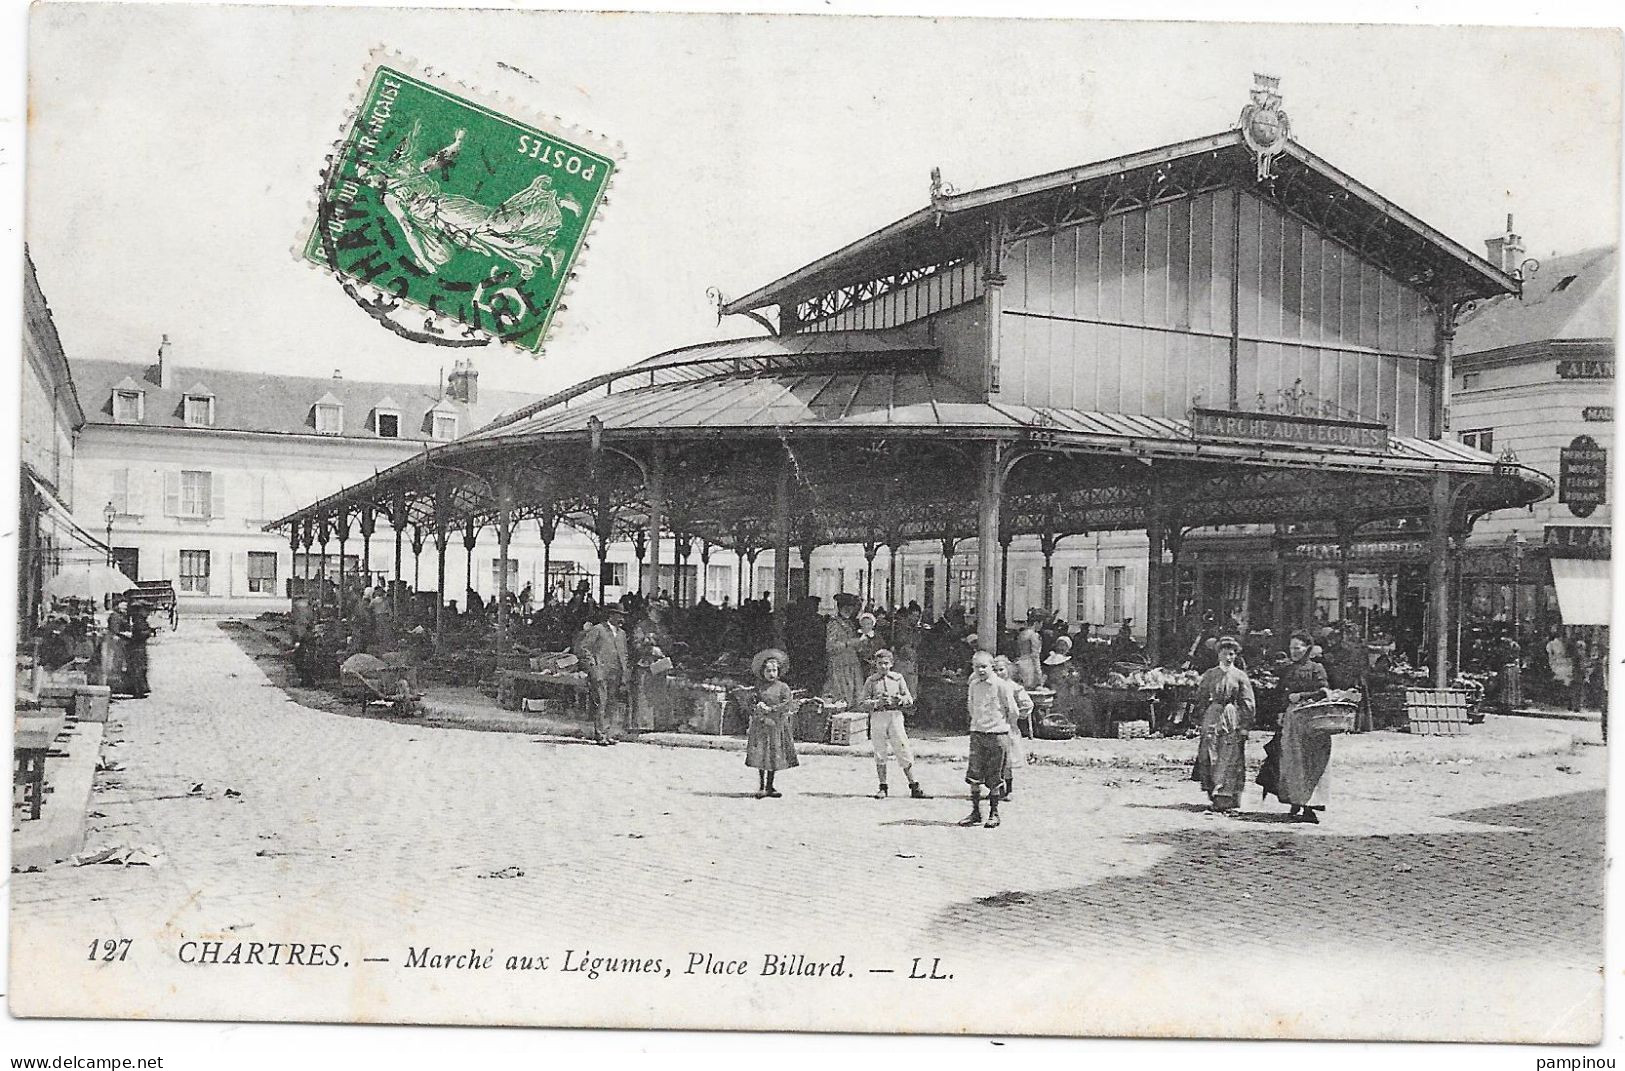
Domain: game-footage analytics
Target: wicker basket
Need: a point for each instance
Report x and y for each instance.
(1328, 718)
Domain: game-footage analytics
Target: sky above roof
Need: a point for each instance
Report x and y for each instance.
(167, 196)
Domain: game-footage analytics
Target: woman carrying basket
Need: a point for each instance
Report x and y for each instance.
(1295, 760)
(1225, 700)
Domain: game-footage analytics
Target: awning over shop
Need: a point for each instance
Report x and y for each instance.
(1584, 590)
(57, 520)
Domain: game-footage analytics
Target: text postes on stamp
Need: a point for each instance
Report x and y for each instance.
(443, 204)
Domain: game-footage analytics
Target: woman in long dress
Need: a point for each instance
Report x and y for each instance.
(770, 743)
(843, 644)
(651, 699)
(1029, 650)
(1225, 698)
(1295, 759)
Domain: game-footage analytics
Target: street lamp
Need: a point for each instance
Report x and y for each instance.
(108, 513)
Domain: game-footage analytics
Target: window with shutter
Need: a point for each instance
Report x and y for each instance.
(1080, 592)
(172, 494)
(127, 406)
(120, 493)
(198, 410)
(217, 495)
(1114, 595)
(196, 494)
(329, 419)
(195, 571)
(262, 572)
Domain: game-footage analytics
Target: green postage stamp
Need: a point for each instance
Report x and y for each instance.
(450, 221)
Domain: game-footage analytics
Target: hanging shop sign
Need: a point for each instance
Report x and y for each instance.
(1240, 426)
(1585, 369)
(1582, 476)
(1579, 540)
(1363, 551)
(1597, 414)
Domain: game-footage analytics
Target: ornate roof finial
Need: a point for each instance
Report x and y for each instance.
(1264, 126)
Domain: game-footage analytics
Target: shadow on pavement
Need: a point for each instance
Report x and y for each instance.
(1536, 891)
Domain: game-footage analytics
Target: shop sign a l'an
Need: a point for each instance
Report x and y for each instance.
(1238, 425)
(1582, 476)
(1579, 540)
(1582, 369)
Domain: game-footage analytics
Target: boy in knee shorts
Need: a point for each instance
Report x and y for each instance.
(994, 739)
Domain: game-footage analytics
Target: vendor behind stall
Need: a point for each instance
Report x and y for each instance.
(843, 645)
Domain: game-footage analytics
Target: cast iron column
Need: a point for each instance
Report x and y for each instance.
(442, 535)
(471, 536)
(1153, 582)
(397, 521)
(1005, 539)
(781, 551)
(504, 537)
(324, 532)
(1345, 539)
(369, 524)
(891, 576)
(654, 488)
(342, 530)
(988, 502)
(1439, 578)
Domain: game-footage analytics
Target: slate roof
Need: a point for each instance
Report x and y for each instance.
(1571, 297)
(279, 404)
(905, 400)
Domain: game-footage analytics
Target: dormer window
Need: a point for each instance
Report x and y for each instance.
(440, 422)
(197, 408)
(127, 406)
(386, 419)
(129, 402)
(328, 415)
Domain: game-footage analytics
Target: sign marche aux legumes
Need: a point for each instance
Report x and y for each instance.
(1299, 429)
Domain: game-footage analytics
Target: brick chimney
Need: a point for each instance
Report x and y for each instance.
(166, 367)
(463, 385)
(1505, 251)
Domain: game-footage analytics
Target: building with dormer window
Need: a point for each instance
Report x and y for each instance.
(192, 473)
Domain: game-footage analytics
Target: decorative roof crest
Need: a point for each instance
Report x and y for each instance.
(1264, 125)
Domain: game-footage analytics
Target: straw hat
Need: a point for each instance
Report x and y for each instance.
(770, 654)
(1230, 642)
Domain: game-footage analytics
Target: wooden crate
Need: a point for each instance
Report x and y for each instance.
(847, 729)
(1436, 711)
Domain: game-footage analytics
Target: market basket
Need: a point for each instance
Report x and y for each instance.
(1329, 716)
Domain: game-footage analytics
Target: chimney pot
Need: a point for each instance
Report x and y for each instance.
(166, 371)
(463, 385)
(1505, 251)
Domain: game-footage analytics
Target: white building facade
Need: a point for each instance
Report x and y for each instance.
(194, 461)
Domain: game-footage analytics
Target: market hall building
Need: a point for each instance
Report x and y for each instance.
(1228, 330)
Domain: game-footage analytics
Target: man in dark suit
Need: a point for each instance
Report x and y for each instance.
(609, 669)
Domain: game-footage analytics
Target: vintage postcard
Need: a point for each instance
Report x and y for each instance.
(1000, 540)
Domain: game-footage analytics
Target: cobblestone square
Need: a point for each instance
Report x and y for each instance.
(1107, 902)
